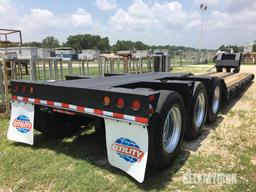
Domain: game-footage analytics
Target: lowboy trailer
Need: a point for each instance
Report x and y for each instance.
(142, 118)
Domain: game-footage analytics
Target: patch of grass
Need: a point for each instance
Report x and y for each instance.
(246, 171)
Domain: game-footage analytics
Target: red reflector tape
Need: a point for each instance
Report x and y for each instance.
(25, 99)
(14, 97)
(118, 115)
(37, 101)
(51, 103)
(98, 111)
(79, 108)
(64, 112)
(141, 120)
(65, 105)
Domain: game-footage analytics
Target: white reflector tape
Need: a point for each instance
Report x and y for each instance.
(20, 98)
(128, 117)
(43, 102)
(89, 110)
(57, 104)
(127, 147)
(31, 100)
(107, 113)
(21, 123)
(72, 107)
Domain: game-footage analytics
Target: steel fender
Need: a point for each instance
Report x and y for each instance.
(21, 124)
(127, 147)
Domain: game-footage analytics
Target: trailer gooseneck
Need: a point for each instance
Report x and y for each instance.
(143, 117)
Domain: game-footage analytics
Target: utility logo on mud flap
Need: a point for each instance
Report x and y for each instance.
(128, 150)
(22, 124)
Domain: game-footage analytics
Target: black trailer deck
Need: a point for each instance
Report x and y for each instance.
(85, 94)
(233, 83)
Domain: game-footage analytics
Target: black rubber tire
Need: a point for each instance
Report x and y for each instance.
(228, 69)
(236, 70)
(158, 157)
(219, 69)
(57, 125)
(211, 116)
(192, 131)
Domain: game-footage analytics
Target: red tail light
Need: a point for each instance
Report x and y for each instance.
(31, 90)
(16, 89)
(120, 103)
(136, 105)
(23, 89)
(151, 97)
(151, 110)
(106, 100)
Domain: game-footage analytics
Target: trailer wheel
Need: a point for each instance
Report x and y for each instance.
(197, 116)
(57, 124)
(236, 70)
(166, 129)
(215, 98)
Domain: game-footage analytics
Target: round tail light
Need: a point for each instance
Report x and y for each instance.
(106, 100)
(31, 90)
(23, 89)
(120, 103)
(136, 105)
(16, 89)
(151, 97)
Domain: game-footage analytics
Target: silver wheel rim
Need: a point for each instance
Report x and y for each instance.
(199, 110)
(216, 100)
(172, 129)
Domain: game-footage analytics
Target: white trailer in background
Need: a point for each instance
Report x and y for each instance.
(66, 53)
(89, 54)
(27, 52)
(43, 53)
(139, 54)
(22, 52)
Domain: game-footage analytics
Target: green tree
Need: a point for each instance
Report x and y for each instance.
(50, 42)
(141, 46)
(103, 44)
(236, 49)
(130, 45)
(123, 45)
(254, 47)
(32, 44)
(222, 48)
(88, 41)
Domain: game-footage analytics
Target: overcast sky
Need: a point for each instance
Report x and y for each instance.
(151, 21)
